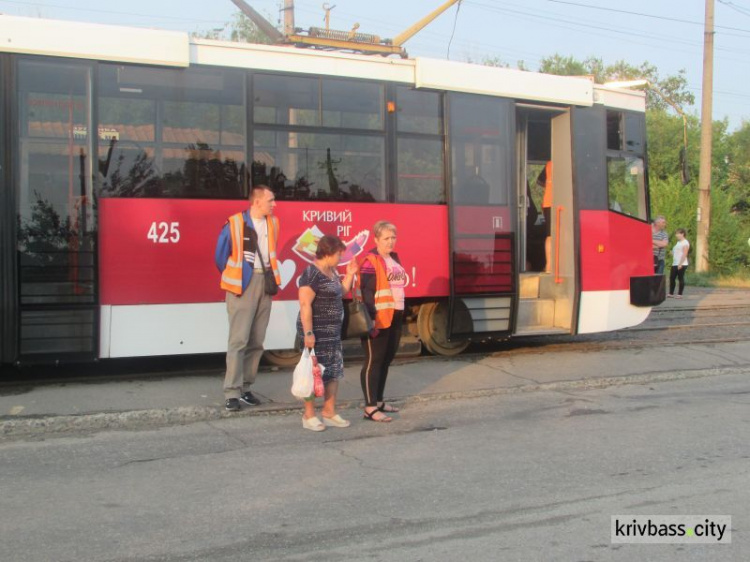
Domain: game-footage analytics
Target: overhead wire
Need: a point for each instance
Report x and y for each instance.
(642, 14)
(596, 29)
(733, 6)
(455, 21)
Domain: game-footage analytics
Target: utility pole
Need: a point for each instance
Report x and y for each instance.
(704, 177)
(288, 18)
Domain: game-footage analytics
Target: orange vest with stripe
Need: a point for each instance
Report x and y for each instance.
(384, 301)
(231, 277)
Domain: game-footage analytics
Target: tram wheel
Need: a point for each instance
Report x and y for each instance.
(282, 357)
(432, 325)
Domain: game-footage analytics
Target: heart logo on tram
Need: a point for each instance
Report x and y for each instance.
(287, 268)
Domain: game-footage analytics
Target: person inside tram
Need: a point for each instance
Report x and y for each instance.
(535, 234)
(545, 180)
(473, 189)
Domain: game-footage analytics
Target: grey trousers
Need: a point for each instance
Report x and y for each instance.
(248, 320)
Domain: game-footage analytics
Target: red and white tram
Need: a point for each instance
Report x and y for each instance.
(125, 150)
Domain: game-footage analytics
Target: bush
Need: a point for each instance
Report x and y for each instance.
(728, 251)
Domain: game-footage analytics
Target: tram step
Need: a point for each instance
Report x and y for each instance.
(534, 313)
(541, 331)
(528, 285)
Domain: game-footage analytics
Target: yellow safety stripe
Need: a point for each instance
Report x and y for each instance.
(231, 281)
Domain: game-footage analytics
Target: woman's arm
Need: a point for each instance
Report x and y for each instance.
(306, 298)
(351, 270)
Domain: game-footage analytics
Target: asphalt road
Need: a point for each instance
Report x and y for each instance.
(517, 477)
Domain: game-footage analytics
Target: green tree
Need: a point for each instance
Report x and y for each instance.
(241, 30)
(738, 173)
(673, 87)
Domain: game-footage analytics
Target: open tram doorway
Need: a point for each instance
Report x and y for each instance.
(546, 261)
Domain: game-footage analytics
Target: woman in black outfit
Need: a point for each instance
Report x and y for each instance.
(383, 284)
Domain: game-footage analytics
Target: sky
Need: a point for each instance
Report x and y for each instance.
(666, 33)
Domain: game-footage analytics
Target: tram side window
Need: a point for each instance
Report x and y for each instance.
(319, 138)
(320, 166)
(481, 150)
(419, 149)
(171, 133)
(625, 131)
(286, 100)
(626, 184)
(614, 130)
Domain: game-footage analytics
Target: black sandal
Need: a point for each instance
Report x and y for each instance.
(371, 416)
(388, 409)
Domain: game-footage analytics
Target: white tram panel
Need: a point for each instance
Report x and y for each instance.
(503, 82)
(178, 329)
(291, 60)
(36, 36)
(620, 98)
(606, 311)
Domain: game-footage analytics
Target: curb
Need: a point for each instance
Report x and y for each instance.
(152, 419)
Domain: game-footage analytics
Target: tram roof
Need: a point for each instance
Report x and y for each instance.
(90, 41)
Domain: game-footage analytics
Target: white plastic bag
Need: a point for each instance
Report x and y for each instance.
(302, 380)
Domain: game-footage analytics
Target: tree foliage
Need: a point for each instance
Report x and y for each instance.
(673, 87)
(241, 30)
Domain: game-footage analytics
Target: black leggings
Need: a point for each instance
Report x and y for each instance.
(676, 274)
(379, 352)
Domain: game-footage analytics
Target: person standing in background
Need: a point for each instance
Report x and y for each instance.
(679, 263)
(659, 243)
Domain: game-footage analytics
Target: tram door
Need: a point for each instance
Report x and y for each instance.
(55, 238)
(482, 197)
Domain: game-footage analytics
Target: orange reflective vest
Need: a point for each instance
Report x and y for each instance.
(384, 302)
(231, 277)
(547, 200)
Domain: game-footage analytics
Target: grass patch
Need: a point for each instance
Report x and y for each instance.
(735, 281)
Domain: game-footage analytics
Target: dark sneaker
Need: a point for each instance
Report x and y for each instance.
(232, 405)
(249, 399)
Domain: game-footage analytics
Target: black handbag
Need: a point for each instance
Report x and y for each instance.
(357, 320)
(269, 280)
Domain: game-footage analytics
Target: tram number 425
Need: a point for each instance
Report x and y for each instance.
(164, 232)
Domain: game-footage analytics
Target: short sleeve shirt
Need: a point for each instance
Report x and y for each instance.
(678, 250)
(397, 280)
(657, 236)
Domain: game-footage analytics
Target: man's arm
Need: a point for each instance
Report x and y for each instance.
(661, 242)
(223, 248)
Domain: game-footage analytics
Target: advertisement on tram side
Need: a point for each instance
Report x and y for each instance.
(161, 251)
